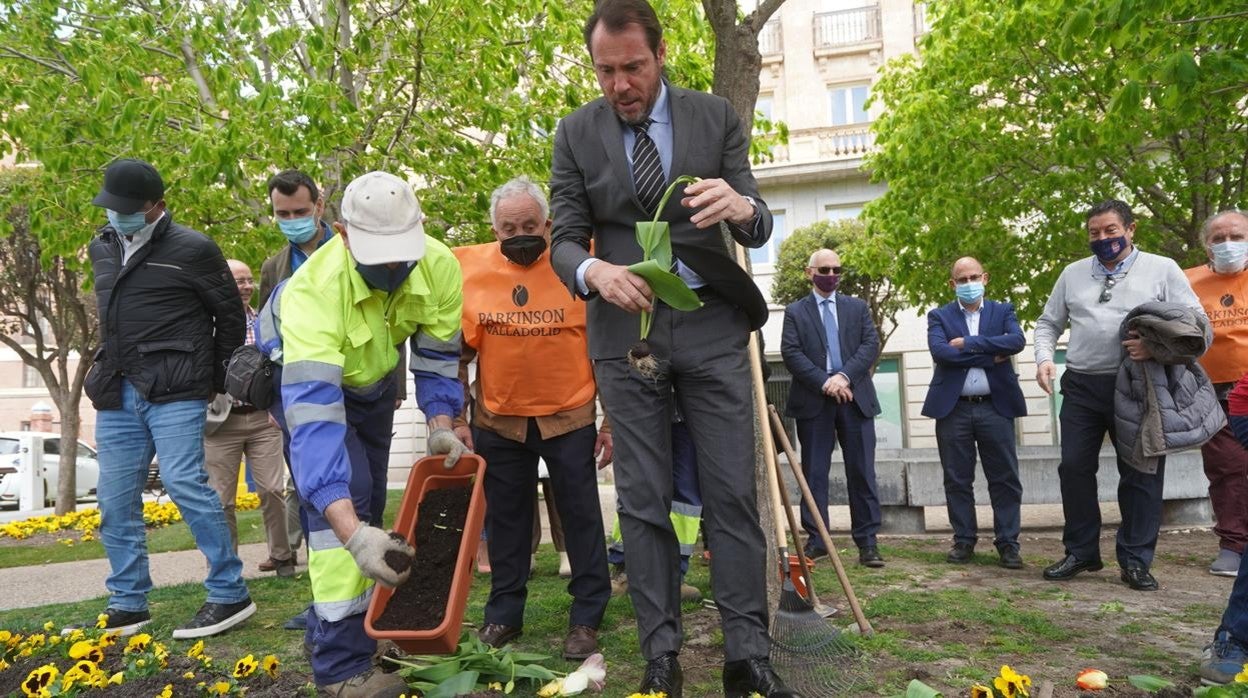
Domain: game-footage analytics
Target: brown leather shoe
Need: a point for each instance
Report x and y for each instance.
(373, 683)
(496, 635)
(272, 565)
(581, 642)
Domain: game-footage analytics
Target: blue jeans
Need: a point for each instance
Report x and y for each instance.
(127, 438)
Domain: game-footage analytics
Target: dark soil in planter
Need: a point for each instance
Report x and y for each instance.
(420, 604)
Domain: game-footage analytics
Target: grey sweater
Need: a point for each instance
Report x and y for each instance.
(1094, 345)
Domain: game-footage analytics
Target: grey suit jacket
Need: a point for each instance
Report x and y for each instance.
(593, 197)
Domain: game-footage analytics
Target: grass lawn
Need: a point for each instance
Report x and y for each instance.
(950, 626)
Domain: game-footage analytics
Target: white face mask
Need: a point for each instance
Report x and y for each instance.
(1229, 257)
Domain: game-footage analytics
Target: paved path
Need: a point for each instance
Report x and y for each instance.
(79, 581)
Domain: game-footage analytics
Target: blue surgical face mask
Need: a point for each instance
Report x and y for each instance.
(127, 223)
(382, 277)
(298, 230)
(1229, 257)
(1108, 249)
(970, 291)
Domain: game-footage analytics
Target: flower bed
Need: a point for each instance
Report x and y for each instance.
(87, 521)
(88, 662)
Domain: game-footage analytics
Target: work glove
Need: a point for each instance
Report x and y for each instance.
(443, 440)
(384, 557)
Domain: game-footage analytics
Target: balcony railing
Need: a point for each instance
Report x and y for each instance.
(847, 27)
(770, 40)
(826, 143)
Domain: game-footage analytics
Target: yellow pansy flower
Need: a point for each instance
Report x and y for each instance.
(245, 667)
(220, 688)
(1011, 683)
(166, 692)
(138, 643)
(196, 651)
(38, 680)
(85, 649)
(980, 691)
(1242, 676)
(270, 664)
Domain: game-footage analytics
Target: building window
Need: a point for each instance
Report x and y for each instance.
(837, 212)
(848, 104)
(31, 377)
(889, 429)
(769, 253)
(763, 106)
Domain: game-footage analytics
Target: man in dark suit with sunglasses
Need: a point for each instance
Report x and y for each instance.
(829, 344)
(1094, 295)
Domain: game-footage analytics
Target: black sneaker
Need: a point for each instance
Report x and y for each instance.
(215, 618)
(117, 621)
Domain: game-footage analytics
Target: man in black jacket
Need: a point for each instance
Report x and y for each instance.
(170, 317)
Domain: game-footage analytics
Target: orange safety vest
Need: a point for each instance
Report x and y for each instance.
(529, 334)
(1225, 300)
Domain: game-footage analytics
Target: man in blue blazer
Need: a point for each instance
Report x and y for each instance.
(974, 398)
(830, 345)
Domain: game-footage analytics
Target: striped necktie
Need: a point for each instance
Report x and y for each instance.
(647, 168)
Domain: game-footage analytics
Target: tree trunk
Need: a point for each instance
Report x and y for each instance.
(67, 480)
(737, 65)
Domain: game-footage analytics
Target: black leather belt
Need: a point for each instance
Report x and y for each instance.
(974, 398)
(242, 409)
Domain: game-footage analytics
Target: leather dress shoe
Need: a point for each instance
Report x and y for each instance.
(663, 676)
(754, 675)
(814, 551)
(1138, 578)
(869, 556)
(496, 635)
(960, 553)
(581, 642)
(1010, 558)
(1069, 566)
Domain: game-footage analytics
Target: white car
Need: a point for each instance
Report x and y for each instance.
(12, 443)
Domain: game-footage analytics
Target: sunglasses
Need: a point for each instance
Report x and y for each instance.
(1106, 290)
(826, 270)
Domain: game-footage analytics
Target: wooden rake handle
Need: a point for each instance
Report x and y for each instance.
(778, 430)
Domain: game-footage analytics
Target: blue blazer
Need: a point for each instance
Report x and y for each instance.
(999, 335)
(804, 346)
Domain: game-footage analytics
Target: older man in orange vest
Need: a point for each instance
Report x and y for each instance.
(534, 398)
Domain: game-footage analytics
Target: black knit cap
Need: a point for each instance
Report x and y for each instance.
(128, 185)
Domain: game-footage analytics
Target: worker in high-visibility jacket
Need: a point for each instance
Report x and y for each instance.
(332, 328)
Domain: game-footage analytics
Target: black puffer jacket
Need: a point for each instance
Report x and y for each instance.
(169, 319)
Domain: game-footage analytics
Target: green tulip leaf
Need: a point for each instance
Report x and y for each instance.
(655, 240)
(1152, 684)
(667, 287)
(918, 689)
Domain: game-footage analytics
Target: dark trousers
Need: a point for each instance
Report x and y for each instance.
(1235, 617)
(856, 434)
(702, 353)
(1087, 416)
(971, 426)
(340, 647)
(510, 481)
(1226, 466)
(684, 491)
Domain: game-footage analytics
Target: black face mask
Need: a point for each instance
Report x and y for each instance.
(382, 278)
(523, 249)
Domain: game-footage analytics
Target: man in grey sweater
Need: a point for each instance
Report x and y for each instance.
(1094, 295)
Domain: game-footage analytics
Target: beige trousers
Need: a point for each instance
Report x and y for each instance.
(252, 435)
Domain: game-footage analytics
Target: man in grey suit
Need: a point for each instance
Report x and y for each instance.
(612, 160)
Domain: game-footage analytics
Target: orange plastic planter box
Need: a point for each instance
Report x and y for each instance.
(428, 475)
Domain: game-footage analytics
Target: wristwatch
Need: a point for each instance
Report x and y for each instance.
(753, 203)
